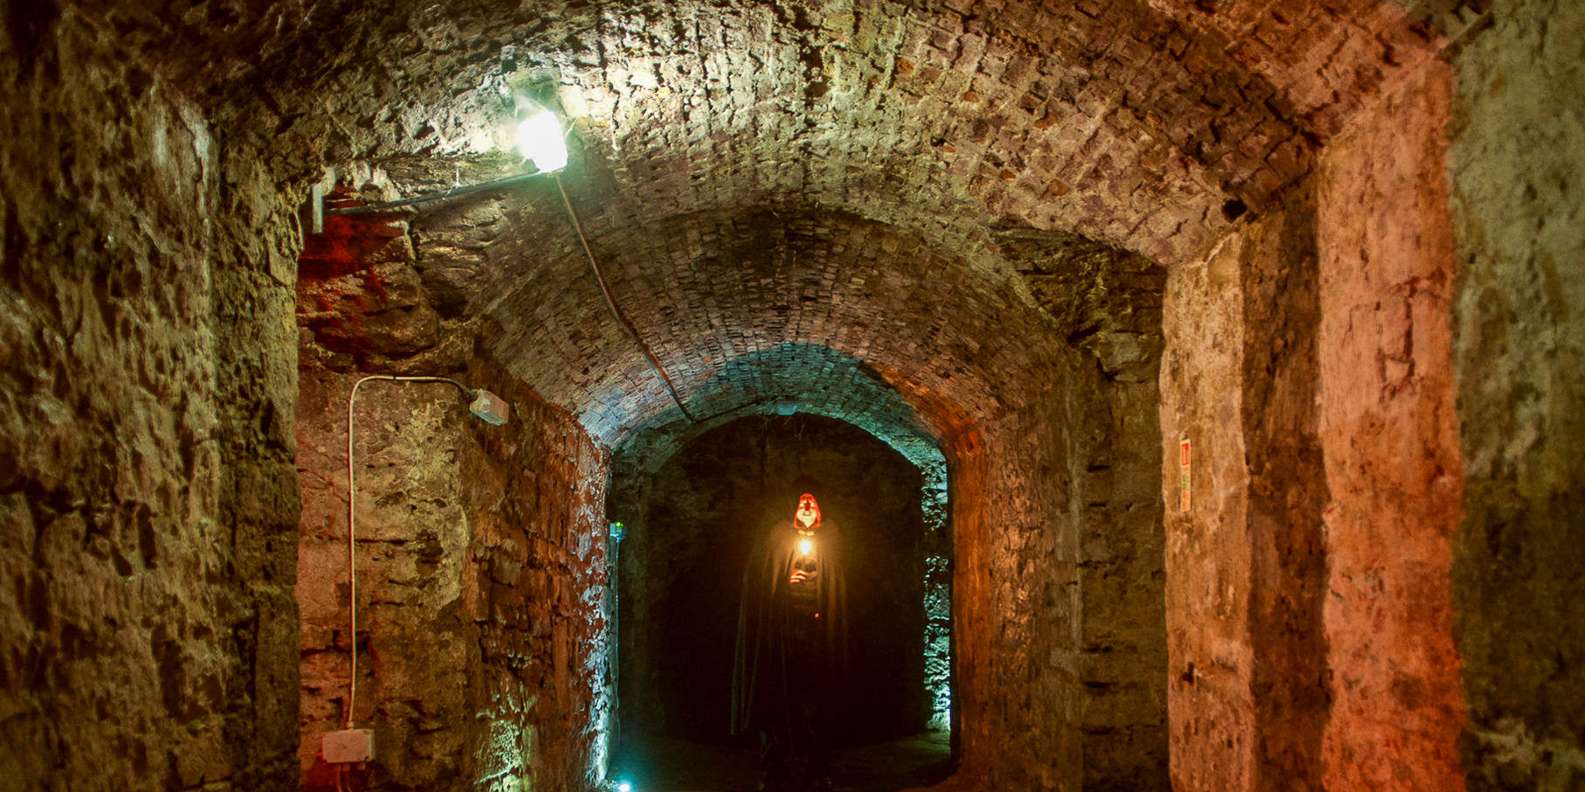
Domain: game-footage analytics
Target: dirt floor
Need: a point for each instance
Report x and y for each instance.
(909, 763)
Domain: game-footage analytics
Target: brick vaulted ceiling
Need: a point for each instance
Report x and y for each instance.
(770, 175)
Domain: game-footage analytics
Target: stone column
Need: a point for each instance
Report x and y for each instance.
(1246, 681)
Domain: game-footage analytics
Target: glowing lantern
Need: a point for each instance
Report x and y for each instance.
(806, 546)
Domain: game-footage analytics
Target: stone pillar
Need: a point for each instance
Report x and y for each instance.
(1392, 461)
(1246, 685)
(1309, 571)
(1209, 701)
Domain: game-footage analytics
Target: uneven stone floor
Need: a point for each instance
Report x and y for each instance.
(910, 763)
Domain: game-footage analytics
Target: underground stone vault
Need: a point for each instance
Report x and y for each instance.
(1222, 361)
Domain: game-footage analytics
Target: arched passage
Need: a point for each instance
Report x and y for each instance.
(833, 315)
(692, 524)
(815, 380)
(1332, 187)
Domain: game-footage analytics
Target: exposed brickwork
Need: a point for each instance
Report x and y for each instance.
(1325, 56)
(957, 345)
(1083, 155)
(1131, 121)
(811, 379)
(929, 200)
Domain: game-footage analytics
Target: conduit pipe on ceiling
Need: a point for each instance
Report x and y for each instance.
(486, 406)
(385, 207)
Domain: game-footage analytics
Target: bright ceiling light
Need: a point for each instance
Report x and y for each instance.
(539, 139)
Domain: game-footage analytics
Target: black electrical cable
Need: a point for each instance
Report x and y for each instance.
(743, 406)
(438, 195)
(610, 302)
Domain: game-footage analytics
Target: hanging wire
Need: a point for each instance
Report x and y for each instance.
(610, 302)
(583, 240)
(352, 530)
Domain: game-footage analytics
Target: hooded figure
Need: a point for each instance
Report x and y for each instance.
(791, 664)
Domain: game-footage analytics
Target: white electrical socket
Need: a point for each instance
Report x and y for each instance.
(348, 746)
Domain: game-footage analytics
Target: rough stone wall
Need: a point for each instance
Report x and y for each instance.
(1393, 467)
(1017, 599)
(1519, 353)
(417, 653)
(1108, 304)
(1059, 617)
(1245, 564)
(146, 380)
(1122, 638)
(554, 483)
(683, 568)
(1210, 701)
(483, 651)
(1287, 492)
(1326, 493)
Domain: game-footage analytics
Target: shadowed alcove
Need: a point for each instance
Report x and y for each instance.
(682, 563)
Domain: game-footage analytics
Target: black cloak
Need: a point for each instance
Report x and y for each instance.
(770, 672)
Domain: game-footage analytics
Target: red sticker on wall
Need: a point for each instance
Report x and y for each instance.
(1184, 465)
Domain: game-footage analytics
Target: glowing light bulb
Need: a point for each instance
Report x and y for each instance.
(539, 138)
(806, 546)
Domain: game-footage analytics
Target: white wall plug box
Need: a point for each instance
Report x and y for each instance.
(348, 746)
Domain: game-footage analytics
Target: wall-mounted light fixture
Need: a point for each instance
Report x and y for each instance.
(539, 138)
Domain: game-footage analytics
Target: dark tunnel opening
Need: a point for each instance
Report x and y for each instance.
(681, 581)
